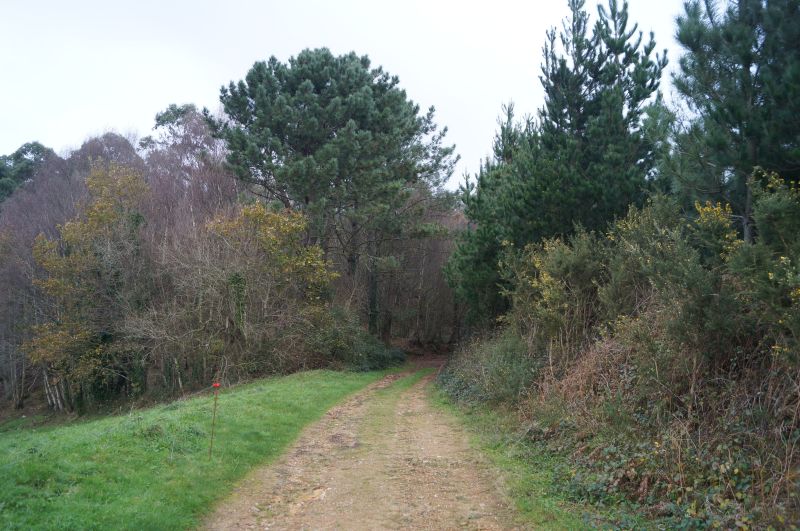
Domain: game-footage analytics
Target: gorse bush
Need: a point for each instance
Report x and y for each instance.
(664, 353)
(555, 295)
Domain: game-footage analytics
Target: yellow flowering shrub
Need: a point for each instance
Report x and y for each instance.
(714, 231)
(275, 239)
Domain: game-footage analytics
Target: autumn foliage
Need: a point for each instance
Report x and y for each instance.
(232, 296)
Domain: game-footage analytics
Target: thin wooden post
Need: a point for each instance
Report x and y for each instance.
(213, 419)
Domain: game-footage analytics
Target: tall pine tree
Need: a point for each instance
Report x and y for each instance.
(339, 140)
(740, 76)
(583, 162)
(594, 157)
(472, 269)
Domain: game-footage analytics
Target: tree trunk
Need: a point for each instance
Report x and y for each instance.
(747, 217)
(386, 327)
(18, 391)
(418, 334)
(372, 297)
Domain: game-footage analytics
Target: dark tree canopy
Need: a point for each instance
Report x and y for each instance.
(341, 141)
(583, 162)
(322, 128)
(473, 267)
(593, 158)
(741, 76)
(21, 166)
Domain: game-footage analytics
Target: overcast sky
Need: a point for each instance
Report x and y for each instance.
(73, 69)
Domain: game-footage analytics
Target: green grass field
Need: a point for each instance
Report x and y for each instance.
(150, 469)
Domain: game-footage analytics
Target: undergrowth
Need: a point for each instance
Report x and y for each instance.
(660, 359)
(534, 475)
(348, 346)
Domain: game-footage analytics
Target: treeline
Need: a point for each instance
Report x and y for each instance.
(270, 238)
(635, 266)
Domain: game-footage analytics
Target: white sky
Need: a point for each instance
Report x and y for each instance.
(73, 69)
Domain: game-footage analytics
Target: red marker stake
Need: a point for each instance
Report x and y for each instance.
(213, 418)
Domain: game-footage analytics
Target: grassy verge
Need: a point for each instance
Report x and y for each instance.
(150, 469)
(530, 472)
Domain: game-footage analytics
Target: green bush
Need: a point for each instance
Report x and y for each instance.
(555, 295)
(337, 336)
(369, 354)
(497, 370)
(634, 247)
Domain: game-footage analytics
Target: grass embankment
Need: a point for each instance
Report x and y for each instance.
(531, 472)
(150, 469)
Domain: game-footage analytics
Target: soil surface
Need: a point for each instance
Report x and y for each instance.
(384, 459)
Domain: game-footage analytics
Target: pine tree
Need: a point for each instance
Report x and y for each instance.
(339, 140)
(583, 162)
(473, 268)
(741, 76)
(594, 158)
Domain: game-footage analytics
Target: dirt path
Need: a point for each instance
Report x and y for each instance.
(385, 459)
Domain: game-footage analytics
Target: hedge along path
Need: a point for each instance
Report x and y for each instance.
(385, 459)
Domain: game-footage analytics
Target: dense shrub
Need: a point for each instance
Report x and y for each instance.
(339, 338)
(555, 295)
(497, 370)
(665, 356)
